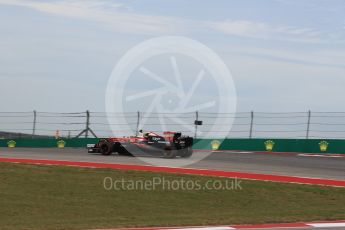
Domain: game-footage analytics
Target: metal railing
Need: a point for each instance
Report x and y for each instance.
(252, 124)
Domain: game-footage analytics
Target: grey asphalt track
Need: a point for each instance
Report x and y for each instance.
(280, 164)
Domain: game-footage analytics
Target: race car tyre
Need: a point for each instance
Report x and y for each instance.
(168, 153)
(106, 148)
(186, 152)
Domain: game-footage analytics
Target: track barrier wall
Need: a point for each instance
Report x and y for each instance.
(275, 145)
(48, 143)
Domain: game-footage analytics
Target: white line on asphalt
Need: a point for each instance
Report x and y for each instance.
(316, 155)
(327, 225)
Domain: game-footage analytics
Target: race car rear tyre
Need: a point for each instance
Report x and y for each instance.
(168, 153)
(106, 148)
(187, 152)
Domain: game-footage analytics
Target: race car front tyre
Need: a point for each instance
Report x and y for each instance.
(106, 148)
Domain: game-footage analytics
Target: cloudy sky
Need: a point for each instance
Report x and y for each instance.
(283, 55)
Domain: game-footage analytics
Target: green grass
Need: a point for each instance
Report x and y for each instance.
(57, 197)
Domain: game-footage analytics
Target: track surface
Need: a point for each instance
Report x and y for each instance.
(280, 164)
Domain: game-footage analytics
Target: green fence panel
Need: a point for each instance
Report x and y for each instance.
(49, 143)
(276, 145)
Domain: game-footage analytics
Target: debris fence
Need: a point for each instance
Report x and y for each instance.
(303, 125)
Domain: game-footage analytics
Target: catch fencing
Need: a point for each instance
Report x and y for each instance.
(297, 125)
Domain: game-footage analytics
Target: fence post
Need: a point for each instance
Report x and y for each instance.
(196, 125)
(138, 122)
(34, 124)
(87, 124)
(87, 128)
(251, 124)
(308, 125)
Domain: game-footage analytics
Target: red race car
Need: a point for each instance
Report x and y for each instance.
(170, 145)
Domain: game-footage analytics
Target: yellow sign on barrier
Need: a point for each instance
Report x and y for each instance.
(269, 144)
(61, 144)
(323, 146)
(215, 144)
(11, 144)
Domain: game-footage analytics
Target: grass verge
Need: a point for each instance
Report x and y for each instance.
(58, 197)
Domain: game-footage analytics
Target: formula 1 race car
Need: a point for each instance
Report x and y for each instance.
(170, 145)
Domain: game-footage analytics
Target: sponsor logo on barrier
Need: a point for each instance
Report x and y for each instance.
(323, 146)
(11, 144)
(269, 144)
(61, 144)
(215, 144)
